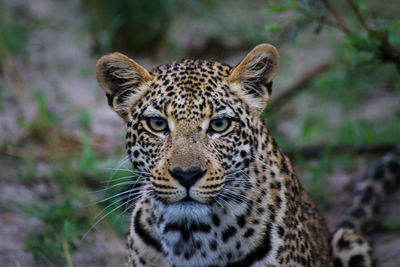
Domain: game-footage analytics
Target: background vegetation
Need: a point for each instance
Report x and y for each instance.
(335, 107)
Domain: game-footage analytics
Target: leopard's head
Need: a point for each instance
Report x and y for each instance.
(192, 124)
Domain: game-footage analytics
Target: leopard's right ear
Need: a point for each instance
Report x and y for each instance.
(123, 81)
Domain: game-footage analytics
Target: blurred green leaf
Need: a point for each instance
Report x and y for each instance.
(272, 28)
(358, 42)
(393, 33)
(303, 5)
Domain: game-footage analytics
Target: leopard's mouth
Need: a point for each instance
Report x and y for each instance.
(186, 209)
(188, 199)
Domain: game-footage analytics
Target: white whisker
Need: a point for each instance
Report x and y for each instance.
(138, 180)
(99, 220)
(125, 192)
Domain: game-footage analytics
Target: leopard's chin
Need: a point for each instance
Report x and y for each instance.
(186, 209)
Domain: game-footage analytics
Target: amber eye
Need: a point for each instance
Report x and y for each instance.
(157, 124)
(220, 125)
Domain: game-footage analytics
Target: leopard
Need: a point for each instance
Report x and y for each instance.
(213, 188)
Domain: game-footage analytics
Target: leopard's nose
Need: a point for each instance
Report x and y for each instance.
(187, 177)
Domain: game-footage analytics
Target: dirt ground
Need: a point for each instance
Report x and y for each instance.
(57, 57)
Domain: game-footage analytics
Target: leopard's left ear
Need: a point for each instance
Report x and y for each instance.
(123, 80)
(252, 78)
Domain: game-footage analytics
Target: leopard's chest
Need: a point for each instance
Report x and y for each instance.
(200, 235)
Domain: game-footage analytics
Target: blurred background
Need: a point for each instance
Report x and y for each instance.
(335, 108)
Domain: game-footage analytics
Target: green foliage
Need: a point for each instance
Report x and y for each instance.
(135, 26)
(62, 221)
(314, 178)
(76, 169)
(130, 24)
(349, 93)
(364, 41)
(14, 35)
(44, 119)
(314, 174)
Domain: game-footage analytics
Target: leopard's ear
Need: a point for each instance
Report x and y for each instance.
(123, 81)
(252, 78)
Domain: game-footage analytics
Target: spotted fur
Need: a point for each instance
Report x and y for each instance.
(210, 198)
(350, 245)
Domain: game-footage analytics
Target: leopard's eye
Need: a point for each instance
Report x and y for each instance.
(220, 125)
(157, 124)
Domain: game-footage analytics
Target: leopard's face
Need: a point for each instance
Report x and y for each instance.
(191, 125)
(189, 132)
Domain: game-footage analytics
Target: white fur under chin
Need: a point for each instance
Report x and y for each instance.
(190, 210)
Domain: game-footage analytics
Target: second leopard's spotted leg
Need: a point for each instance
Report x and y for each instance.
(350, 246)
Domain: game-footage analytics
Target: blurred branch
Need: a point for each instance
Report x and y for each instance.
(314, 151)
(380, 43)
(339, 20)
(299, 85)
(389, 52)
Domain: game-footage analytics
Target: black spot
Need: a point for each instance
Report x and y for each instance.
(367, 195)
(248, 233)
(378, 174)
(343, 244)
(357, 261)
(142, 260)
(258, 253)
(278, 201)
(346, 224)
(187, 255)
(199, 244)
(357, 213)
(337, 263)
(229, 232)
(394, 167)
(281, 231)
(205, 228)
(241, 221)
(238, 245)
(215, 219)
(213, 244)
(177, 252)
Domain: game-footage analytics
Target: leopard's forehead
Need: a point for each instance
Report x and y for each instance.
(191, 75)
(188, 85)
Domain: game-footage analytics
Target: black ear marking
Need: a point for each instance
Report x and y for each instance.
(269, 87)
(110, 99)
